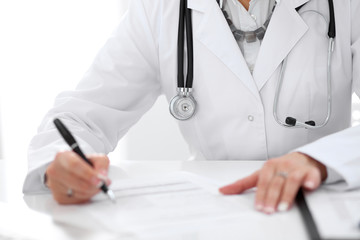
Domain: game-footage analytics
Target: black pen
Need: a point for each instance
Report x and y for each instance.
(65, 133)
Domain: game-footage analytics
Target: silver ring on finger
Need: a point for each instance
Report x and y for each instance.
(282, 174)
(70, 193)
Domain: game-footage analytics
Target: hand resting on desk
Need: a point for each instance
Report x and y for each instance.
(279, 180)
(71, 180)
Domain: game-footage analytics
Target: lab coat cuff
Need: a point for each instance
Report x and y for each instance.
(35, 181)
(332, 175)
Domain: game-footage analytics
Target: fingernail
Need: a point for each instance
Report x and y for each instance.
(283, 206)
(102, 177)
(269, 210)
(310, 184)
(104, 172)
(259, 207)
(95, 181)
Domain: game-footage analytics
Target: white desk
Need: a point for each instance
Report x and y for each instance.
(278, 226)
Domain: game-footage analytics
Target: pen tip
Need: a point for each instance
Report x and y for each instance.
(111, 195)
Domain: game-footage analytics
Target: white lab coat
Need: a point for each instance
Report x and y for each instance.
(234, 119)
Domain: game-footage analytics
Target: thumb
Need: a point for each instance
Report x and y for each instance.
(312, 179)
(241, 185)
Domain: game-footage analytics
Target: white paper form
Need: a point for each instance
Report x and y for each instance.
(176, 201)
(179, 206)
(337, 214)
(156, 207)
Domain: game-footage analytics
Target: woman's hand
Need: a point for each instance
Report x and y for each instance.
(279, 180)
(72, 180)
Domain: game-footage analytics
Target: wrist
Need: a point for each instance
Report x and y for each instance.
(312, 161)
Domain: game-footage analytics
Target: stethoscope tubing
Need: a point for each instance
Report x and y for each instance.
(331, 46)
(180, 50)
(185, 19)
(300, 124)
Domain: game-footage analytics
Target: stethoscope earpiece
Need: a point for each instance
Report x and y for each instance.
(290, 121)
(310, 123)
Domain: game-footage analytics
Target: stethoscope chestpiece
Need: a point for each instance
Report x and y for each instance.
(183, 105)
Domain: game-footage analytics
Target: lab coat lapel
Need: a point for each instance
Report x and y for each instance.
(212, 30)
(286, 28)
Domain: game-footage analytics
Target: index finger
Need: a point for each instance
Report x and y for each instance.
(77, 167)
(241, 185)
(100, 162)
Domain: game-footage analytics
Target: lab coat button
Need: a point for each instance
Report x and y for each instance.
(253, 17)
(251, 68)
(251, 118)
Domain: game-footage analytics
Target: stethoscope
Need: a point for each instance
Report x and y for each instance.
(183, 105)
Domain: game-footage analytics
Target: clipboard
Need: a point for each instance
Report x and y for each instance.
(307, 216)
(310, 223)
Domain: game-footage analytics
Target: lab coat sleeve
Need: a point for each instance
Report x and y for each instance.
(340, 152)
(120, 86)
